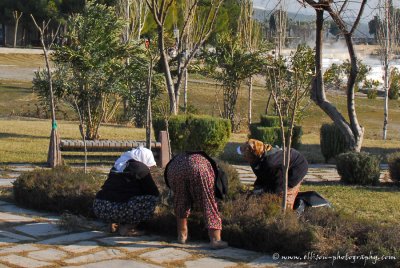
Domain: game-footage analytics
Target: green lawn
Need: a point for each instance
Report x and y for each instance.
(372, 203)
(24, 140)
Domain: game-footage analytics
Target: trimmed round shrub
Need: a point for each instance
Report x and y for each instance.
(196, 133)
(272, 135)
(271, 121)
(59, 189)
(358, 168)
(394, 166)
(332, 141)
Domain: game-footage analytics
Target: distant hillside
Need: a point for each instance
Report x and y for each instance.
(262, 14)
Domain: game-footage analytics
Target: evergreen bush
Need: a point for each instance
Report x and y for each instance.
(358, 168)
(234, 184)
(394, 88)
(271, 121)
(372, 94)
(272, 135)
(394, 166)
(332, 141)
(59, 189)
(194, 133)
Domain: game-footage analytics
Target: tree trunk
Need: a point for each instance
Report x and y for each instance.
(250, 99)
(352, 132)
(54, 153)
(386, 71)
(148, 108)
(173, 105)
(17, 17)
(386, 98)
(185, 89)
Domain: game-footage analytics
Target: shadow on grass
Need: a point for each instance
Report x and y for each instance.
(92, 159)
(14, 135)
(381, 187)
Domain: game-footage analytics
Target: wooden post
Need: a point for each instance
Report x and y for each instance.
(164, 151)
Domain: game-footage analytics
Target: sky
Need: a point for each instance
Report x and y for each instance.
(294, 6)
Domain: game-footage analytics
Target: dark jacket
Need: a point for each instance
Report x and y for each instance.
(135, 180)
(269, 171)
(221, 180)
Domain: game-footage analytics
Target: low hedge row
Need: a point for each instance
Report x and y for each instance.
(60, 189)
(194, 132)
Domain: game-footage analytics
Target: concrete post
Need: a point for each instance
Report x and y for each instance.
(164, 151)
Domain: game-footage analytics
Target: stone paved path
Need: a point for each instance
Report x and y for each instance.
(32, 239)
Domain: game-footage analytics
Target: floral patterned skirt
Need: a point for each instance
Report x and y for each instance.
(191, 178)
(137, 209)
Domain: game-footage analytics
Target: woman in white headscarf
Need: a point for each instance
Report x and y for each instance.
(129, 195)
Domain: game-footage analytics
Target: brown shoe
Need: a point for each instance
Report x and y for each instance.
(218, 244)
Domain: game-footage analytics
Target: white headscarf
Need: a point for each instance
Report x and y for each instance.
(140, 154)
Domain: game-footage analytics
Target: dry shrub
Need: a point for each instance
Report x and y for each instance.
(342, 234)
(59, 189)
(257, 223)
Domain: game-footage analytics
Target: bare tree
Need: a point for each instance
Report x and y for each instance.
(134, 12)
(54, 153)
(388, 38)
(289, 81)
(17, 16)
(250, 36)
(352, 130)
(206, 16)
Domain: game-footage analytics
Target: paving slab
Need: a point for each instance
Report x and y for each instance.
(70, 238)
(47, 255)
(6, 182)
(117, 264)
(209, 262)
(98, 256)
(18, 210)
(142, 245)
(8, 217)
(5, 241)
(40, 229)
(124, 240)
(235, 254)
(264, 261)
(2, 203)
(24, 262)
(18, 249)
(166, 255)
(81, 247)
(17, 237)
(13, 175)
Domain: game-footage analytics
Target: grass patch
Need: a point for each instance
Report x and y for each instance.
(26, 140)
(378, 204)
